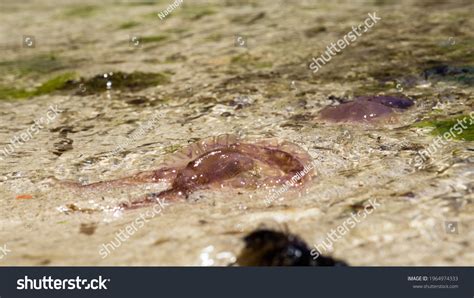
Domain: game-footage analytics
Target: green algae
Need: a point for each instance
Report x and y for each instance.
(120, 81)
(141, 3)
(214, 37)
(153, 38)
(461, 128)
(8, 93)
(54, 84)
(80, 11)
(36, 65)
(128, 25)
(247, 61)
(177, 31)
(196, 12)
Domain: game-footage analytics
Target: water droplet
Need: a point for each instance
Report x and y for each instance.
(206, 260)
(16, 174)
(242, 207)
(83, 180)
(227, 256)
(423, 84)
(293, 85)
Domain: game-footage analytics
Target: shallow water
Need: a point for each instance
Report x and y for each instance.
(263, 89)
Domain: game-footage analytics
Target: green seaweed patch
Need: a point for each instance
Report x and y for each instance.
(216, 36)
(56, 83)
(177, 30)
(134, 81)
(141, 3)
(51, 85)
(8, 93)
(33, 65)
(196, 12)
(460, 51)
(81, 11)
(248, 61)
(153, 39)
(128, 25)
(461, 128)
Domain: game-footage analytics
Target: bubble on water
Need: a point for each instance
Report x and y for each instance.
(83, 180)
(109, 85)
(293, 85)
(226, 256)
(242, 207)
(88, 161)
(206, 259)
(423, 84)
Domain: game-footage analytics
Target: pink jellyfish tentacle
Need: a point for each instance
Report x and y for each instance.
(156, 176)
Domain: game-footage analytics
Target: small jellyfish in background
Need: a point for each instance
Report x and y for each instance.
(366, 109)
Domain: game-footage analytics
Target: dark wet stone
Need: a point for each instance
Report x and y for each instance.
(314, 31)
(134, 81)
(138, 101)
(445, 70)
(87, 229)
(65, 144)
(272, 248)
(459, 74)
